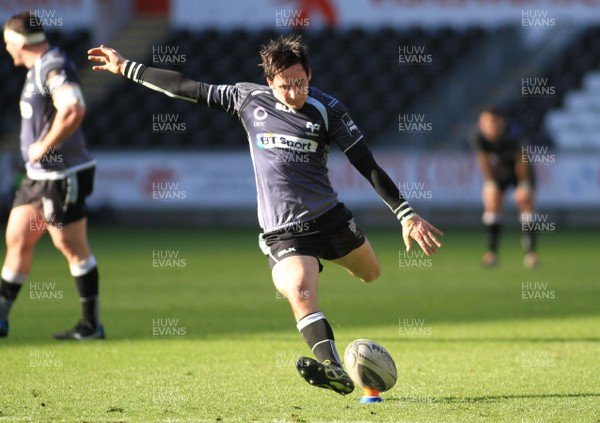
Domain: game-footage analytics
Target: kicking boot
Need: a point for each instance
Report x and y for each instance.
(82, 331)
(326, 375)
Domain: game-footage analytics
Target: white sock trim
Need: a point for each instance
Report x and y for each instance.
(319, 343)
(13, 277)
(527, 217)
(332, 346)
(490, 218)
(307, 320)
(83, 266)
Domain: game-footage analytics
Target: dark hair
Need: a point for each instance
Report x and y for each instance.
(495, 110)
(282, 53)
(24, 23)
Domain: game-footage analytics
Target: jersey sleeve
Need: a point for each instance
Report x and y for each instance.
(54, 73)
(57, 79)
(345, 133)
(228, 98)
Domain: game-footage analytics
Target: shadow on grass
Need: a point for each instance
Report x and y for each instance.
(486, 399)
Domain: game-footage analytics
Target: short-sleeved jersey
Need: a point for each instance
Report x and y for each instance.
(289, 149)
(37, 116)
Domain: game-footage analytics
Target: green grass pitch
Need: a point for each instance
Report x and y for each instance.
(197, 333)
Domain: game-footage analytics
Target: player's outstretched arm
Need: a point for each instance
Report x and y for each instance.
(171, 83)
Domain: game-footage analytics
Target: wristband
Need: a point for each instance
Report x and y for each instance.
(124, 68)
(132, 70)
(404, 212)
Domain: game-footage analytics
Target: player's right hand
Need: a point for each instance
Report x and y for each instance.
(111, 58)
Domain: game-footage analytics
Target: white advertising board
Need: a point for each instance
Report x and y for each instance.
(226, 180)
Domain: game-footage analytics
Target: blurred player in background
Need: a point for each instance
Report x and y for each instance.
(60, 174)
(498, 146)
(291, 128)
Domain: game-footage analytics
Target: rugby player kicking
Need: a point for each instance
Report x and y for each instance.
(290, 129)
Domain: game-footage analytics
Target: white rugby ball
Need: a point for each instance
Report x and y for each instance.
(370, 365)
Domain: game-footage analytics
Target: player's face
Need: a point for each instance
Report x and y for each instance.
(15, 52)
(491, 126)
(290, 86)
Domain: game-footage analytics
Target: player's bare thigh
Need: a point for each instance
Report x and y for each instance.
(296, 278)
(25, 227)
(361, 262)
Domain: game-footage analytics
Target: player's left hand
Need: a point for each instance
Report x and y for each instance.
(421, 231)
(37, 150)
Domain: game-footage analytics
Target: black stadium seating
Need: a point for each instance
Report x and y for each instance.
(359, 67)
(564, 73)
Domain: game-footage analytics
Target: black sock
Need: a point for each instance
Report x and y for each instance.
(87, 285)
(493, 231)
(319, 336)
(8, 294)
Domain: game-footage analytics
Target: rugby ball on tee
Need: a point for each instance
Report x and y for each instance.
(369, 365)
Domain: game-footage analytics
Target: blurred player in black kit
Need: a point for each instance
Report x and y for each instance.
(59, 174)
(290, 128)
(499, 148)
